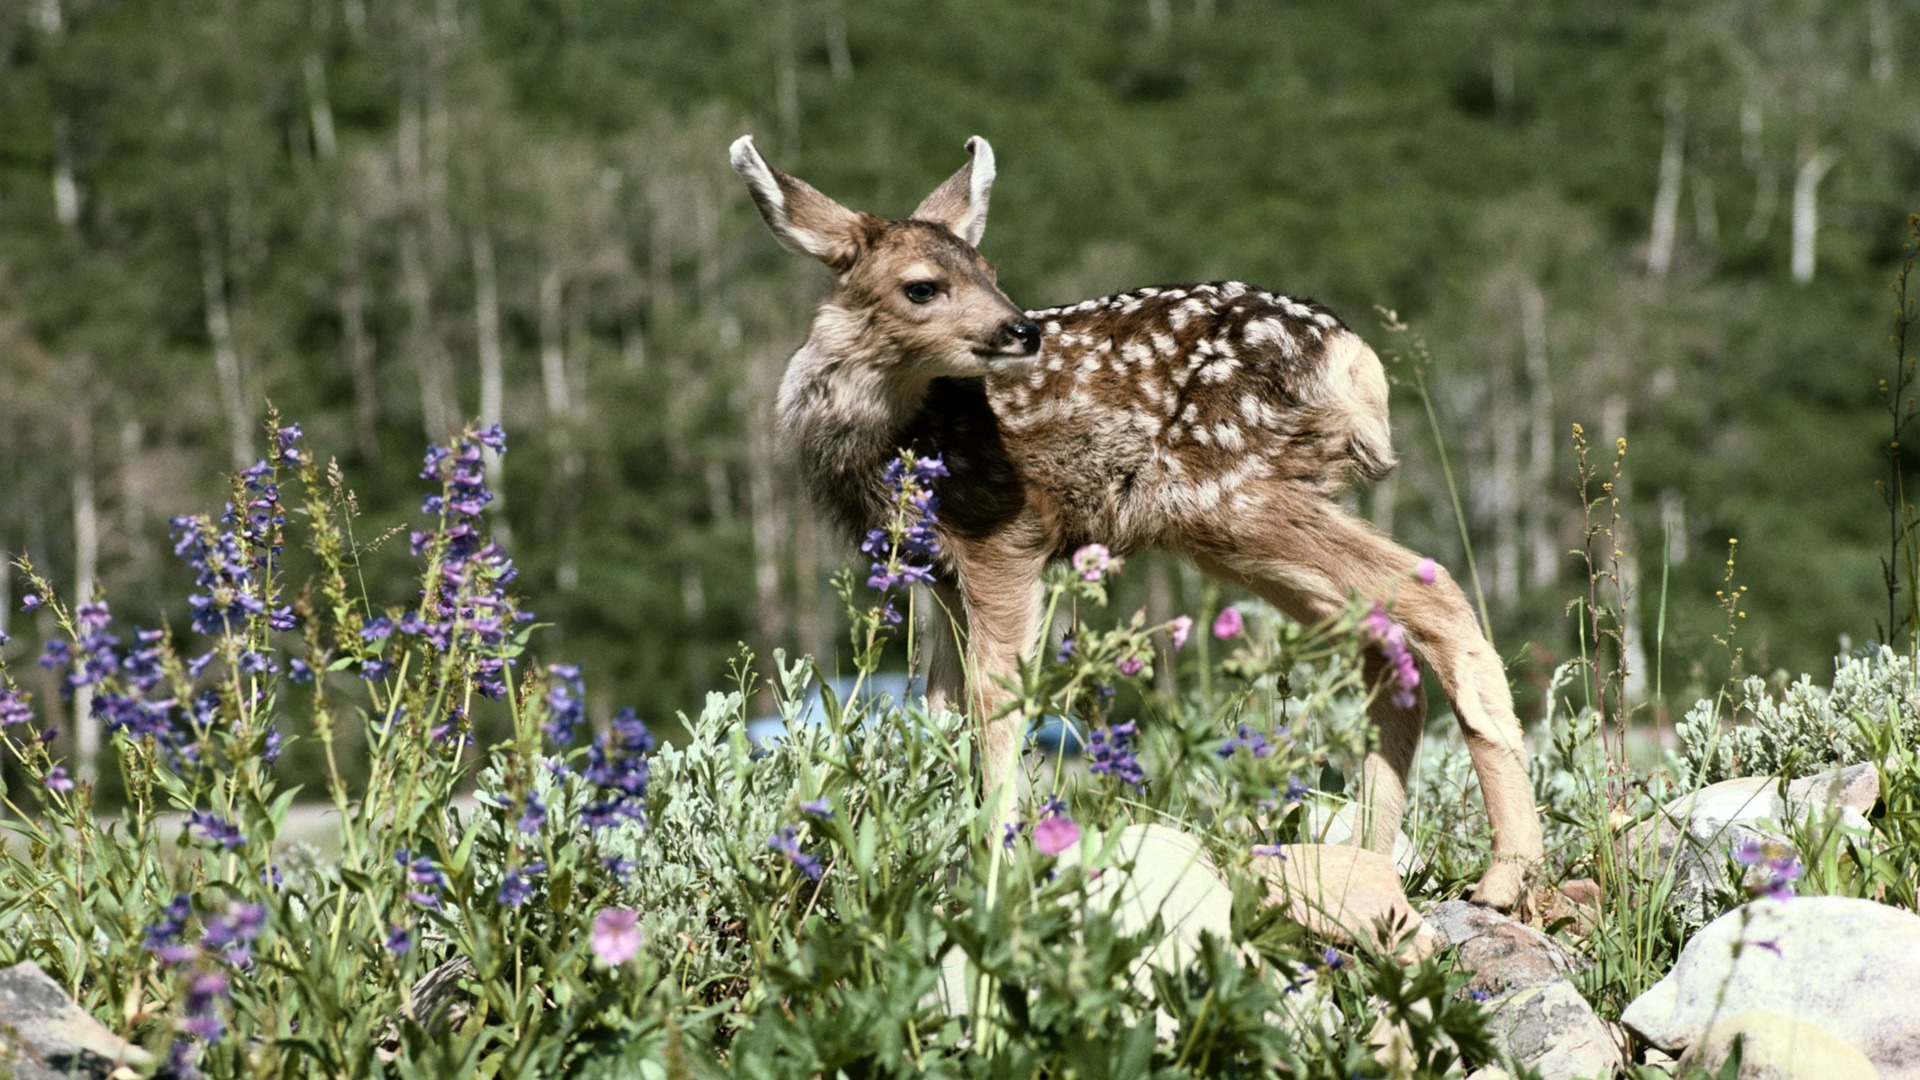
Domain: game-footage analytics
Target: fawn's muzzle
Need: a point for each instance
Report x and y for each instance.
(1020, 336)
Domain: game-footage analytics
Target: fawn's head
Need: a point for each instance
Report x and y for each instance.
(911, 292)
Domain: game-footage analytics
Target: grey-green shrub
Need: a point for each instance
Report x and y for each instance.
(1803, 728)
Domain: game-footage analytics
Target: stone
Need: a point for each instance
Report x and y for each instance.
(1693, 836)
(1346, 895)
(1137, 873)
(1499, 951)
(1334, 825)
(1550, 1027)
(1848, 966)
(44, 1034)
(1776, 1047)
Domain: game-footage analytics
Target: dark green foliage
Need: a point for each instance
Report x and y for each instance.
(308, 186)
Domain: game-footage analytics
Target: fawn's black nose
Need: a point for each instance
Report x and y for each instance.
(1026, 334)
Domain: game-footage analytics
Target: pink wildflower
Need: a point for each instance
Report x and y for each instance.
(1403, 677)
(1094, 562)
(1179, 630)
(1427, 572)
(1131, 666)
(1229, 624)
(616, 935)
(1053, 835)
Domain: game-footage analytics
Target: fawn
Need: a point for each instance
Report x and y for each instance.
(1219, 421)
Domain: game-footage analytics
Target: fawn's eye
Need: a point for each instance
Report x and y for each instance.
(921, 291)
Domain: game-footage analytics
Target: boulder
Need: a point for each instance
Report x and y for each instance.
(1140, 872)
(1694, 835)
(1334, 825)
(1776, 1047)
(1551, 1028)
(1848, 966)
(1344, 894)
(44, 1034)
(1499, 951)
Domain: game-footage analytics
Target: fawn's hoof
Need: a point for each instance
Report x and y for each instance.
(1504, 887)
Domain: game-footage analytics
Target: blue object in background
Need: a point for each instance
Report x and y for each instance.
(888, 690)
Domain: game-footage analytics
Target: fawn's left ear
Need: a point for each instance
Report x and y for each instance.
(961, 203)
(801, 218)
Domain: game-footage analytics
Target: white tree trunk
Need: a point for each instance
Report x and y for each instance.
(319, 109)
(226, 355)
(86, 568)
(1666, 198)
(486, 325)
(1806, 211)
(1543, 552)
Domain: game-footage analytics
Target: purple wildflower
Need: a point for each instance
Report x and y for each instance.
(566, 704)
(1132, 666)
(288, 439)
(232, 934)
(533, 815)
(1775, 867)
(515, 889)
(819, 808)
(166, 939)
(215, 829)
(467, 606)
(786, 843)
(14, 708)
(617, 767)
(1110, 753)
(30, 602)
(1010, 835)
(58, 780)
(399, 941)
(1273, 850)
(903, 552)
(1249, 739)
(200, 1007)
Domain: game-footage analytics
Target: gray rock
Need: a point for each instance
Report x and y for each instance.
(1693, 836)
(1776, 1047)
(45, 1035)
(1332, 825)
(1550, 1027)
(1144, 871)
(1501, 953)
(1848, 966)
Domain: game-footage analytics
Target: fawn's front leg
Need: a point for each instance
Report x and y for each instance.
(1001, 594)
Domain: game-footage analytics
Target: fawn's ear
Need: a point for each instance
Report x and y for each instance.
(802, 219)
(961, 203)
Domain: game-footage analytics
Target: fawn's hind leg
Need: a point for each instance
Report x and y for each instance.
(1305, 556)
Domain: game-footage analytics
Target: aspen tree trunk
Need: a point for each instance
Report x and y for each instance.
(1503, 487)
(226, 355)
(356, 341)
(1806, 211)
(437, 411)
(319, 109)
(486, 325)
(1666, 199)
(786, 79)
(1544, 553)
(555, 386)
(86, 567)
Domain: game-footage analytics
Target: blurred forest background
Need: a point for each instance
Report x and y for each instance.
(1673, 222)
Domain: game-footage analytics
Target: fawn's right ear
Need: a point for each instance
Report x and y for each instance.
(802, 219)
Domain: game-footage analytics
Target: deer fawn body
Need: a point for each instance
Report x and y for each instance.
(1219, 420)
